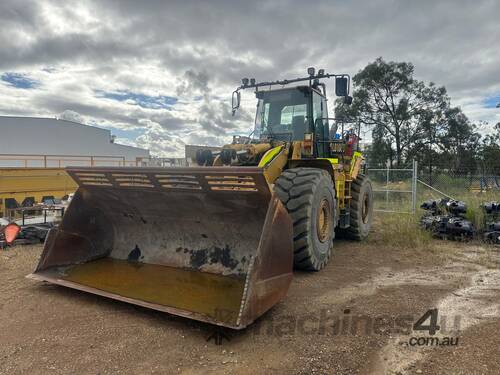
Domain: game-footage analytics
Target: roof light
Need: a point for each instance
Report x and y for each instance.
(252, 81)
(311, 71)
(321, 72)
(244, 81)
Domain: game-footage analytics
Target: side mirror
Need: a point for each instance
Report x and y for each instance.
(235, 101)
(341, 86)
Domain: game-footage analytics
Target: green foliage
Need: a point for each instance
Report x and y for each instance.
(411, 119)
(489, 155)
(396, 106)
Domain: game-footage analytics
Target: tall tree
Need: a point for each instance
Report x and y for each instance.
(388, 97)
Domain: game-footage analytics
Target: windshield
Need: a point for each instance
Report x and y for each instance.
(282, 114)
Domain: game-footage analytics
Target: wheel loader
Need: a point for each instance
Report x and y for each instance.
(218, 242)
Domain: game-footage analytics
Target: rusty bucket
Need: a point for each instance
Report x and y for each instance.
(211, 244)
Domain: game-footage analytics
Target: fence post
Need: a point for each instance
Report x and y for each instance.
(414, 186)
(387, 188)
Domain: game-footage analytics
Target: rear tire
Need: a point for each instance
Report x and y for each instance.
(361, 209)
(309, 197)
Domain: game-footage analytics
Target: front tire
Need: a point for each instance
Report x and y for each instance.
(309, 197)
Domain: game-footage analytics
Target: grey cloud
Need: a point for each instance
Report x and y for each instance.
(213, 119)
(193, 83)
(58, 105)
(74, 48)
(342, 35)
(14, 13)
(214, 115)
(171, 122)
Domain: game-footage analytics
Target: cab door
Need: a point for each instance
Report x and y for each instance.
(320, 121)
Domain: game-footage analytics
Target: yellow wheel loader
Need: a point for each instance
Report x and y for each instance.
(218, 242)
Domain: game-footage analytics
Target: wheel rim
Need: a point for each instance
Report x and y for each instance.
(365, 209)
(323, 221)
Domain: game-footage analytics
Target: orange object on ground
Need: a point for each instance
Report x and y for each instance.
(10, 232)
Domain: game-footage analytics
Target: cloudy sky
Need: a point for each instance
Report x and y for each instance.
(159, 74)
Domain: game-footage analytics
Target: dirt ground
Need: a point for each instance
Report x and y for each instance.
(354, 317)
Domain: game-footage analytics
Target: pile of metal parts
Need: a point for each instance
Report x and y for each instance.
(492, 222)
(29, 225)
(12, 233)
(445, 218)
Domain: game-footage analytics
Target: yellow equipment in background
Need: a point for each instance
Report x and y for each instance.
(26, 186)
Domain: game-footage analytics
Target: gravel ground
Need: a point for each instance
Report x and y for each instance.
(354, 317)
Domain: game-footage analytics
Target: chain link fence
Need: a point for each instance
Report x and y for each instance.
(402, 190)
(394, 189)
(460, 182)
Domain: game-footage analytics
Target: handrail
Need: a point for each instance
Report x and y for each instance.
(48, 161)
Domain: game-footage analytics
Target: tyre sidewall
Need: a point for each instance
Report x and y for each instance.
(324, 190)
(366, 190)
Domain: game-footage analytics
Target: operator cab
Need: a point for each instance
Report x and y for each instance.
(287, 114)
(294, 113)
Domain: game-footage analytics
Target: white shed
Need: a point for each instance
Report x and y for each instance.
(48, 142)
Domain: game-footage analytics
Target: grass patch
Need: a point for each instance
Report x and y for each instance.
(400, 230)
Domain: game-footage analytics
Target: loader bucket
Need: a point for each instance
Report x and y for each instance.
(212, 244)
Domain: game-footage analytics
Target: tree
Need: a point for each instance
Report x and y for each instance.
(458, 141)
(388, 97)
(490, 152)
(380, 150)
